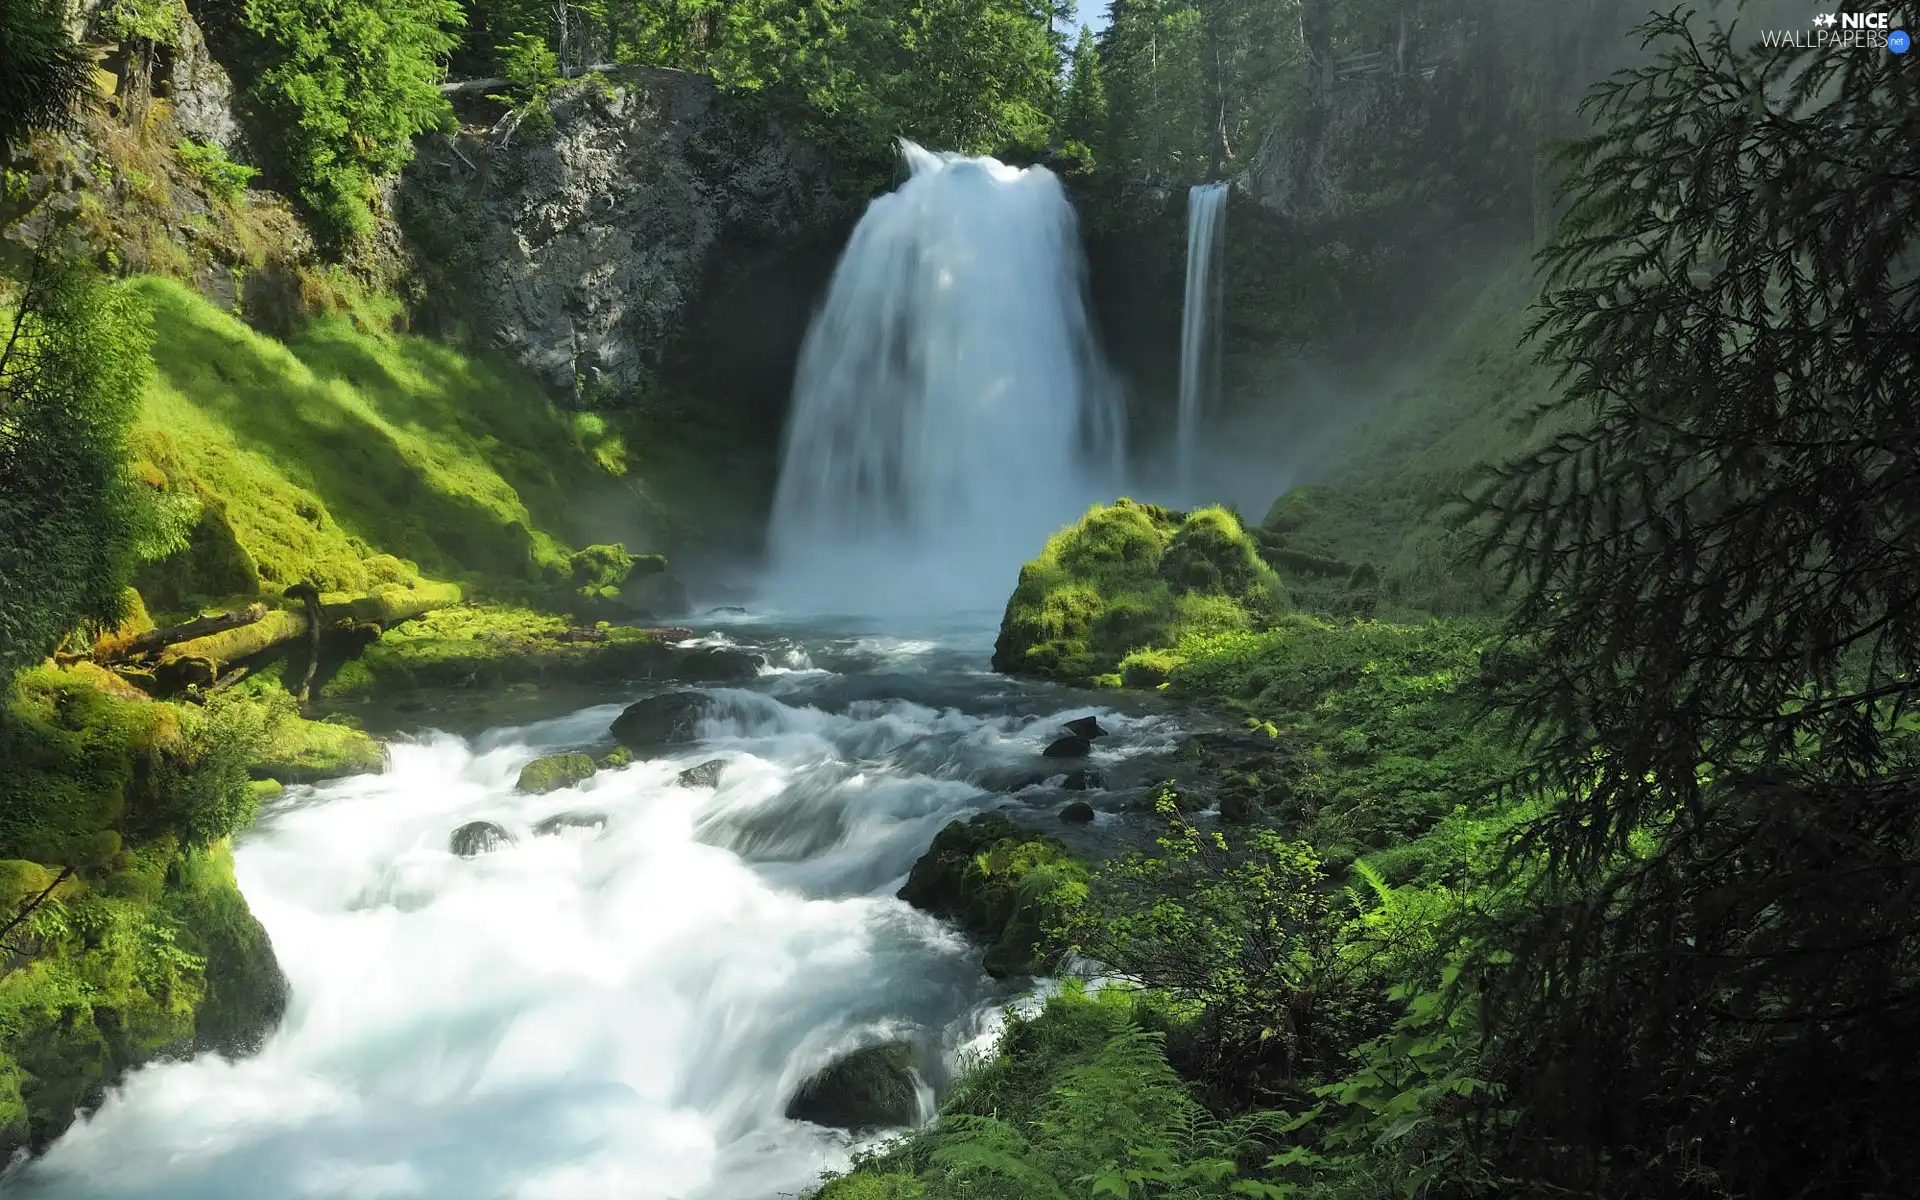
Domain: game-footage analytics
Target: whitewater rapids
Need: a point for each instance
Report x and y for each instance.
(612, 1017)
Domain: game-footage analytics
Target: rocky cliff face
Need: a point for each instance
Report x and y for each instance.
(581, 247)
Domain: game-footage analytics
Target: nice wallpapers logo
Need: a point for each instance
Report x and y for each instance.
(1843, 31)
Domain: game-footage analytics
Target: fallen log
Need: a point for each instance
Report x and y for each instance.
(160, 639)
(383, 606)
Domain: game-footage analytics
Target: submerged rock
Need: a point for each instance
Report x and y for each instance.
(706, 775)
(671, 719)
(1078, 812)
(1086, 727)
(872, 1088)
(1084, 779)
(1071, 746)
(478, 837)
(561, 822)
(553, 772)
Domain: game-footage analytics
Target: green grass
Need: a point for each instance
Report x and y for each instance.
(316, 456)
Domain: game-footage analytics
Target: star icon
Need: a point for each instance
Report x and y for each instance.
(1824, 18)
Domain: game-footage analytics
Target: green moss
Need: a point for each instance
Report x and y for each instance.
(474, 645)
(317, 457)
(1132, 576)
(146, 946)
(555, 771)
(1000, 883)
(303, 751)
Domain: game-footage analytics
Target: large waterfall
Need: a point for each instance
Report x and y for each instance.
(951, 406)
(1200, 319)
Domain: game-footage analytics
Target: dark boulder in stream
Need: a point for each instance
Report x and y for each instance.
(1078, 812)
(478, 837)
(872, 1088)
(672, 719)
(1086, 727)
(1071, 746)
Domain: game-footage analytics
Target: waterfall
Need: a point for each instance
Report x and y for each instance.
(1200, 319)
(951, 406)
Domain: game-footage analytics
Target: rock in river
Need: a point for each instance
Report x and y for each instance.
(872, 1088)
(669, 720)
(553, 772)
(706, 775)
(1071, 746)
(1079, 812)
(478, 837)
(561, 822)
(1086, 727)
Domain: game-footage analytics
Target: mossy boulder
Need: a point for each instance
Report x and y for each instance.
(875, 1087)
(658, 722)
(1129, 576)
(552, 772)
(1000, 883)
(303, 751)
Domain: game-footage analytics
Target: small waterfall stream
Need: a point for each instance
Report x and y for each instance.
(1200, 321)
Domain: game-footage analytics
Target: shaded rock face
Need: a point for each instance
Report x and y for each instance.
(579, 248)
(199, 93)
(1086, 727)
(1077, 812)
(478, 837)
(553, 772)
(659, 721)
(871, 1088)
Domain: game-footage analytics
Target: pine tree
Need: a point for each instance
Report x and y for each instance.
(1718, 601)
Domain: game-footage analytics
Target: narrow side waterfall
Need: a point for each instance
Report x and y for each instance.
(951, 406)
(1200, 319)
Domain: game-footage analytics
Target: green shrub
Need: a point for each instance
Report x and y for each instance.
(344, 87)
(222, 176)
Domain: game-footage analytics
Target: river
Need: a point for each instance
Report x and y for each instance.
(618, 1013)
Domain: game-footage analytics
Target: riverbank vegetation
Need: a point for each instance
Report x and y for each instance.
(1602, 883)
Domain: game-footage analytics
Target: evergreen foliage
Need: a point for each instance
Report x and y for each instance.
(72, 517)
(44, 74)
(341, 90)
(1717, 606)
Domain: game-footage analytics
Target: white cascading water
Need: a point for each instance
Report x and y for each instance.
(952, 407)
(1200, 321)
(594, 1015)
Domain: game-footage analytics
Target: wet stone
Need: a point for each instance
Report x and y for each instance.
(1071, 746)
(478, 837)
(706, 775)
(1079, 812)
(1086, 727)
